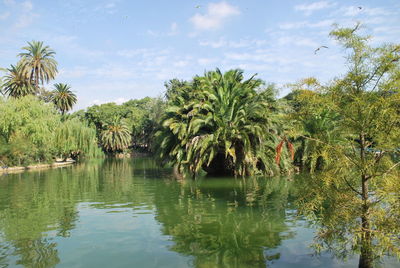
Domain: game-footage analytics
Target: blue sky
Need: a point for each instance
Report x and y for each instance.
(115, 50)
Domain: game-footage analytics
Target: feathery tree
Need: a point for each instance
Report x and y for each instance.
(16, 84)
(63, 98)
(315, 123)
(73, 138)
(26, 129)
(220, 123)
(116, 136)
(38, 63)
(356, 199)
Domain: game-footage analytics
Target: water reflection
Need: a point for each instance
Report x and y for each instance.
(36, 207)
(130, 212)
(337, 214)
(226, 223)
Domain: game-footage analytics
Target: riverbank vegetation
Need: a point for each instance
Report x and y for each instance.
(345, 133)
(33, 125)
(221, 123)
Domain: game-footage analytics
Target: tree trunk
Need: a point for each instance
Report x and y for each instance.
(366, 257)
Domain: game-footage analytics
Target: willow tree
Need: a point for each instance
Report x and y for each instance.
(357, 202)
(63, 98)
(73, 138)
(27, 128)
(38, 63)
(16, 83)
(116, 136)
(220, 123)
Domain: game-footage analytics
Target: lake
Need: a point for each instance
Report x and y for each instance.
(131, 213)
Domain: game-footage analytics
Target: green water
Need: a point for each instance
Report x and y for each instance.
(130, 213)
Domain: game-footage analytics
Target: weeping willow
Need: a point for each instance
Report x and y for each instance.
(75, 139)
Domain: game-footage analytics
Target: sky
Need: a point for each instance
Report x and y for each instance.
(116, 50)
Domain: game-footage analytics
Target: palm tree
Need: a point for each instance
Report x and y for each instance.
(221, 125)
(116, 136)
(63, 98)
(16, 84)
(38, 63)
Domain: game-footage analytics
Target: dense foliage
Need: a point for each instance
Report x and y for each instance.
(345, 132)
(74, 138)
(140, 119)
(31, 130)
(26, 131)
(220, 123)
(353, 124)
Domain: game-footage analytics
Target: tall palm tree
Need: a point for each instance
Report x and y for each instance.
(63, 98)
(222, 125)
(38, 63)
(16, 84)
(116, 136)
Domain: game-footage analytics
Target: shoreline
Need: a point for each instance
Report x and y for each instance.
(13, 170)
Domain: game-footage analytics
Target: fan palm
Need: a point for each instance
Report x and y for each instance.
(116, 136)
(222, 125)
(63, 98)
(38, 63)
(16, 84)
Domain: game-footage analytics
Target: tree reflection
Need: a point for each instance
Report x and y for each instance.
(38, 206)
(232, 223)
(342, 226)
(36, 253)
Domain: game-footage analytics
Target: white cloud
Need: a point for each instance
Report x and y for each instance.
(296, 41)
(27, 6)
(173, 30)
(4, 15)
(27, 15)
(308, 9)
(9, 2)
(25, 20)
(241, 43)
(108, 7)
(217, 14)
(76, 72)
(181, 63)
(63, 38)
(145, 53)
(206, 61)
(352, 11)
(305, 24)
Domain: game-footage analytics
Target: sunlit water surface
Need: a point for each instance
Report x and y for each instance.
(130, 213)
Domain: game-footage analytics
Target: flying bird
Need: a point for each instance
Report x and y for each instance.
(198, 6)
(315, 51)
(360, 8)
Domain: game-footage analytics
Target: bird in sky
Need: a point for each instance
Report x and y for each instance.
(198, 6)
(359, 7)
(315, 51)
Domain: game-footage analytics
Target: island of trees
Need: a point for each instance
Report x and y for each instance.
(345, 133)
